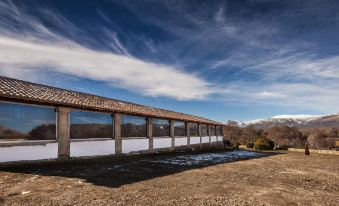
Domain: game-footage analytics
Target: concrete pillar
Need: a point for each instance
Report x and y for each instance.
(209, 133)
(117, 133)
(172, 135)
(187, 126)
(150, 132)
(199, 133)
(223, 132)
(216, 132)
(63, 130)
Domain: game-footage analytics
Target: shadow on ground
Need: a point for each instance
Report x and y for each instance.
(115, 171)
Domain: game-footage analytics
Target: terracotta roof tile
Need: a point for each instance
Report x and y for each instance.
(23, 91)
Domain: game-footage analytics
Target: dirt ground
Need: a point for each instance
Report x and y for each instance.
(270, 179)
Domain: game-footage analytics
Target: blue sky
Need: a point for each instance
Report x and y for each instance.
(238, 60)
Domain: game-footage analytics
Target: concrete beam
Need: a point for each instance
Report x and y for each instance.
(149, 126)
(63, 132)
(187, 127)
(172, 134)
(117, 133)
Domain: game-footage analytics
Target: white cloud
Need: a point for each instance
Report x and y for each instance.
(20, 55)
(269, 94)
(265, 69)
(32, 49)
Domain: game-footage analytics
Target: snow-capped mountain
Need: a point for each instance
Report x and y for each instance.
(331, 120)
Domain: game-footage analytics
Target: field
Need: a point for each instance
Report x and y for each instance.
(232, 178)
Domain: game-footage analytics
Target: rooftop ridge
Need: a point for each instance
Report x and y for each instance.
(30, 91)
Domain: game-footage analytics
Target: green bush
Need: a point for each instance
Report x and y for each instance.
(263, 143)
(236, 146)
(250, 145)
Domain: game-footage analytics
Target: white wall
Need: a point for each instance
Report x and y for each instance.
(133, 145)
(179, 141)
(213, 138)
(205, 139)
(91, 148)
(219, 138)
(195, 140)
(162, 142)
(35, 152)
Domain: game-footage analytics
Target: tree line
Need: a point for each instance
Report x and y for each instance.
(284, 136)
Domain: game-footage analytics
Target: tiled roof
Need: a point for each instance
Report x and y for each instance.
(23, 91)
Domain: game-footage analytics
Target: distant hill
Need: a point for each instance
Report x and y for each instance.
(300, 121)
(7, 133)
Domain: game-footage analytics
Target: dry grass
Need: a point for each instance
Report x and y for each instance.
(282, 179)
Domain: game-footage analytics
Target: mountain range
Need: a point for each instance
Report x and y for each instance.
(301, 121)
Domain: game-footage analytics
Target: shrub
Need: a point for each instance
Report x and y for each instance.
(263, 143)
(235, 146)
(250, 145)
(227, 143)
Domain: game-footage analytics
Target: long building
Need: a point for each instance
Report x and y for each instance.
(36, 119)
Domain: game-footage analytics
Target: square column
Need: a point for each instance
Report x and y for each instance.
(172, 134)
(117, 133)
(63, 130)
(223, 132)
(149, 126)
(209, 133)
(216, 132)
(199, 133)
(187, 126)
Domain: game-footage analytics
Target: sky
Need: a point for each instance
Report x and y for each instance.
(224, 60)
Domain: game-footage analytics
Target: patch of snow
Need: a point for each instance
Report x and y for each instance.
(198, 159)
(253, 121)
(297, 117)
(300, 118)
(32, 178)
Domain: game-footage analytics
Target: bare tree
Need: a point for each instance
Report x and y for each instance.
(232, 133)
(318, 140)
(249, 134)
(286, 136)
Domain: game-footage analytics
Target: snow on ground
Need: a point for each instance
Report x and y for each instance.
(281, 118)
(208, 158)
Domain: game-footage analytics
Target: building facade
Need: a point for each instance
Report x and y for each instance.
(43, 122)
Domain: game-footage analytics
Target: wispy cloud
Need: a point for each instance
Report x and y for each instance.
(24, 56)
(270, 55)
(38, 49)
